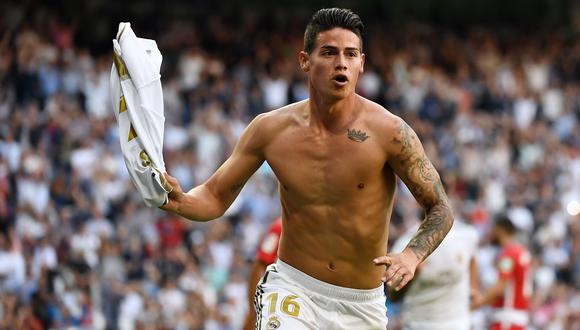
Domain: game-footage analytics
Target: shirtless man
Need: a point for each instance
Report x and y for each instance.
(336, 156)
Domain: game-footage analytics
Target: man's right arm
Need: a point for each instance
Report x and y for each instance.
(211, 199)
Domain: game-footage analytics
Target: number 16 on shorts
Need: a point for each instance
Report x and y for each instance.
(288, 305)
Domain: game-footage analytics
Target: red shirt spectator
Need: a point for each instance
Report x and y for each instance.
(514, 268)
(171, 231)
(268, 249)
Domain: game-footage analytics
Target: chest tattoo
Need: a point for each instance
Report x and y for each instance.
(356, 135)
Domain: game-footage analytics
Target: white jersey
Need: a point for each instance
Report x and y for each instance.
(137, 100)
(438, 297)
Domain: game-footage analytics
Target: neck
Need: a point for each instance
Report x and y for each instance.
(334, 114)
(506, 240)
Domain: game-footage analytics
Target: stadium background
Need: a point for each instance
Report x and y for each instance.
(491, 87)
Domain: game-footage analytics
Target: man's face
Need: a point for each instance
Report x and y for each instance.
(494, 236)
(335, 63)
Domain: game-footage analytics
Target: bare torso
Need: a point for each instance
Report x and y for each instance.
(335, 156)
(336, 193)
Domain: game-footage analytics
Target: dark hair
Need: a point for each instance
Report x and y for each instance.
(329, 18)
(505, 223)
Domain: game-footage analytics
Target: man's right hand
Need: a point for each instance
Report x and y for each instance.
(175, 194)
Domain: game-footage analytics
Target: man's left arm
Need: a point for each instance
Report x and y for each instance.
(409, 161)
(491, 295)
(505, 273)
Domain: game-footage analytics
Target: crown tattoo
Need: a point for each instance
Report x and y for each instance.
(357, 136)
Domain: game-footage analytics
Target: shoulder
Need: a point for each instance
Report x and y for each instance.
(465, 235)
(266, 126)
(465, 229)
(279, 118)
(378, 116)
(390, 128)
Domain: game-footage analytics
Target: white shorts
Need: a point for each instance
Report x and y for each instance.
(286, 298)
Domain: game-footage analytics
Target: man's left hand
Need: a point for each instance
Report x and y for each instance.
(400, 268)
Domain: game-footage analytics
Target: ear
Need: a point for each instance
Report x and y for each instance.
(304, 60)
(362, 62)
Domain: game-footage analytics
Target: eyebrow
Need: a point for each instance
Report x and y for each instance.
(335, 48)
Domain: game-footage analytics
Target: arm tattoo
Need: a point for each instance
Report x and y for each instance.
(422, 179)
(235, 188)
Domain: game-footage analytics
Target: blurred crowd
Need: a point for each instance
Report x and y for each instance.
(498, 112)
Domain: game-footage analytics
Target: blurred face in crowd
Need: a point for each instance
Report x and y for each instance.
(334, 64)
(499, 234)
(495, 235)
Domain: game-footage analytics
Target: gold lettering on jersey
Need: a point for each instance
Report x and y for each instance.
(356, 135)
(132, 133)
(121, 67)
(122, 104)
(145, 160)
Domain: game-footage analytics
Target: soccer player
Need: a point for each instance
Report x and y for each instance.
(336, 156)
(266, 255)
(510, 296)
(438, 296)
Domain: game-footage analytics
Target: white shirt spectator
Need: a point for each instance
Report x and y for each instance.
(96, 90)
(32, 189)
(505, 79)
(12, 270)
(172, 300)
(495, 198)
(275, 92)
(28, 226)
(11, 151)
(222, 253)
(443, 277)
(524, 111)
(209, 149)
(100, 226)
(537, 73)
(236, 291)
(88, 245)
(175, 138)
(83, 160)
(370, 83)
(35, 193)
(129, 309)
(553, 103)
(44, 257)
(522, 218)
(190, 67)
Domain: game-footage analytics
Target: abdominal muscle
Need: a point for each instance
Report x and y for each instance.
(336, 245)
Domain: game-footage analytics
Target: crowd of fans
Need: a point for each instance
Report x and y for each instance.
(498, 112)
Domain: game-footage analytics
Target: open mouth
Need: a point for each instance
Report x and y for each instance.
(340, 78)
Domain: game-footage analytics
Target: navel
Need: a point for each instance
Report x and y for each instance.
(360, 185)
(331, 266)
